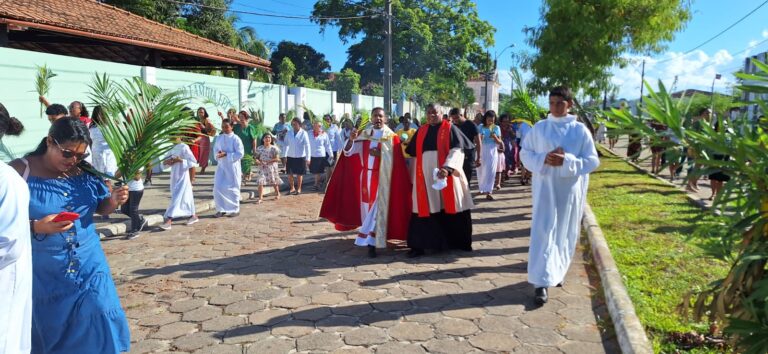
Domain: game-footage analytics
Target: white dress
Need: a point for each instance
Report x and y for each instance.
(182, 200)
(103, 158)
(15, 264)
(226, 181)
(559, 194)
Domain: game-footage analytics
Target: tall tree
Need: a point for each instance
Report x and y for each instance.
(209, 19)
(159, 11)
(287, 70)
(578, 42)
(446, 38)
(308, 61)
(345, 84)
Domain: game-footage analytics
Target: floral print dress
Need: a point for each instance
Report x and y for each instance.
(268, 172)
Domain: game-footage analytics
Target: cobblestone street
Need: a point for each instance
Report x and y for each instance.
(278, 280)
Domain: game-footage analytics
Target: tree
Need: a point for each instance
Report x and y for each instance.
(446, 38)
(286, 72)
(309, 82)
(211, 21)
(159, 11)
(307, 60)
(578, 42)
(373, 89)
(345, 84)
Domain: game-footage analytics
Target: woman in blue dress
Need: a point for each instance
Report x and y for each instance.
(75, 306)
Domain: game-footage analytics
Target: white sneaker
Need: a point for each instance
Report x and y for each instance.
(166, 225)
(193, 220)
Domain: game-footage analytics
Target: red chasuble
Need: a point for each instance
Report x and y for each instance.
(443, 147)
(341, 204)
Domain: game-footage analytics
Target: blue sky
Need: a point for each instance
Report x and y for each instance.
(695, 70)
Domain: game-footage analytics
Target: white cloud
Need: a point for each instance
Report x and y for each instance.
(765, 33)
(693, 71)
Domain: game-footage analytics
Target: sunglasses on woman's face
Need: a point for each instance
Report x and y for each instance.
(68, 154)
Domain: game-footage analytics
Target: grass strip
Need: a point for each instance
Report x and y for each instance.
(647, 224)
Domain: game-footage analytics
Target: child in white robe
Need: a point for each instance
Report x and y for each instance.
(181, 159)
(228, 150)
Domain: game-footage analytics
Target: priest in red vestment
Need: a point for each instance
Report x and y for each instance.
(370, 188)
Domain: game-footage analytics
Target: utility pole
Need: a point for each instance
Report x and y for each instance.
(388, 60)
(642, 85)
(485, 103)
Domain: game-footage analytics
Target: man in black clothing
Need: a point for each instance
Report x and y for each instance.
(470, 131)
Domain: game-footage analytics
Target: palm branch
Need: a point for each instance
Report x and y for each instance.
(43, 83)
(141, 121)
(365, 119)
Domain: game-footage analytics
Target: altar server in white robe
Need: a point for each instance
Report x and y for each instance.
(15, 253)
(226, 183)
(181, 159)
(561, 153)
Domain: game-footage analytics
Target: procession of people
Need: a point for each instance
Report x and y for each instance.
(407, 189)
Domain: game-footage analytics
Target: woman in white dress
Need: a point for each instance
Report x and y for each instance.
(103, 158)
(490, 136)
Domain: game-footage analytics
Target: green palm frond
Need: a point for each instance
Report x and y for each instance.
(141, 121)
(43, 82)
(365, 119)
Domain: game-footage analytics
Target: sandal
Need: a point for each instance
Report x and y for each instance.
(259, 201)
(489, 197)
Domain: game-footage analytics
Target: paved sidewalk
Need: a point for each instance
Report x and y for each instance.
(278, 280)
(157, 196)
(645, 163)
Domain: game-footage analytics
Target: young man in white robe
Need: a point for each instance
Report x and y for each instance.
(182, 205)
(561, 153)
(226, 182)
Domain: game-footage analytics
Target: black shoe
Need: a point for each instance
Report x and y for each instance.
(466, 249)
(541, 297)
(560, 284)
(371, 251)
(219, 214)
(232, 215)
(416, 252)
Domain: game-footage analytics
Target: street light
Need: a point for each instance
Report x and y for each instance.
(488, 75)
(712, 93)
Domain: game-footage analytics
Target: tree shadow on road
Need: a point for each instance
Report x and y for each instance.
(514, 298)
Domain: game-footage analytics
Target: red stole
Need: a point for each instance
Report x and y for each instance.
(369, 192)
(443, 147)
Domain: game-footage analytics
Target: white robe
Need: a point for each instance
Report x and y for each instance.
(103, 158)
(182, 200)
(559, 194)
(226, 181)
(15, 264)
(367, 210)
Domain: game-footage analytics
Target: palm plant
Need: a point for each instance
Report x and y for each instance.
(43, 83)
(141, 121)
(740, 300)
(523, 105)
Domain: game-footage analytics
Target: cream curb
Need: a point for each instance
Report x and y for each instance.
(630, 333)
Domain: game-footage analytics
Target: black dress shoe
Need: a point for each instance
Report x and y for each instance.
(416, 252)
(541, 296)
(371, 251)
(560, 284)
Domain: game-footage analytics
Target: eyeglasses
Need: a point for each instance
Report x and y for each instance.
(68, 154)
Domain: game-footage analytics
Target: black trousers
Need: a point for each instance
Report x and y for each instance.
(131, 208)
(468, 166)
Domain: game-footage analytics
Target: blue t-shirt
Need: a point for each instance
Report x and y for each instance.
(485, 133)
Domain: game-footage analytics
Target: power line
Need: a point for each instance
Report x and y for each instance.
(717, 35)
(296, 17)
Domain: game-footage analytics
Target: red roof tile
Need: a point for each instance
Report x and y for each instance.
(89, 18)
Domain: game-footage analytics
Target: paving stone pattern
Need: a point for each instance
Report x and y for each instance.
(278, 280)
